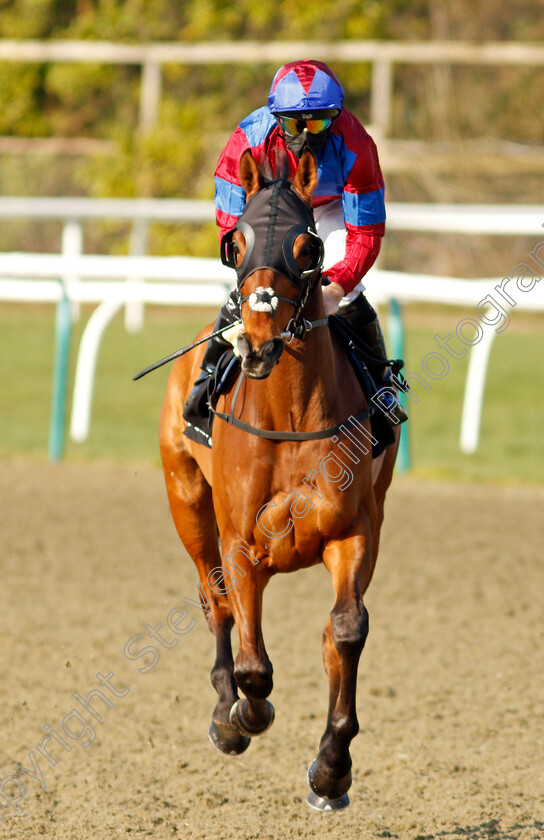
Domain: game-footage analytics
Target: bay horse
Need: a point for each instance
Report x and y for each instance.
(273, 494)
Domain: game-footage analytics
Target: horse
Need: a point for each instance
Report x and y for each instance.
(289, 480)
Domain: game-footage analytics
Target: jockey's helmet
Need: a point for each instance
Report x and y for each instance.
(305, 97)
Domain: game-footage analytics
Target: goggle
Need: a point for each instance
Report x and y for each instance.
(293, 126)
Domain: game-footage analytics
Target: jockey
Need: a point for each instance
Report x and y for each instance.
(306, 110)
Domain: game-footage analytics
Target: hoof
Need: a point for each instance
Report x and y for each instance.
(323, 803)
(227, 739)
(326, 792)
(236, 721)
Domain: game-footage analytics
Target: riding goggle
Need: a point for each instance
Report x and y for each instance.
(294, 126)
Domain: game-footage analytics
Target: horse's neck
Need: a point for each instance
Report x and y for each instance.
(304, 389)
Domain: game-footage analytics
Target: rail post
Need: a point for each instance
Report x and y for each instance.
(396, 349)
(63, 331)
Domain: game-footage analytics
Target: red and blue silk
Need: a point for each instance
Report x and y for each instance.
(348, 169)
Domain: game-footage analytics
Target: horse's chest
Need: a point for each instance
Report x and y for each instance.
(292, 526)
(296, 501)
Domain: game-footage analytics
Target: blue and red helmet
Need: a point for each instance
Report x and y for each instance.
(307, 88)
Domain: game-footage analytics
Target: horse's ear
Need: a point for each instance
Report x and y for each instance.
(306, 178)
(250, 175)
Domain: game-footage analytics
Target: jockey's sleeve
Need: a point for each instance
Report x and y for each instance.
(229, 194)
(362, 249)
(362, 203)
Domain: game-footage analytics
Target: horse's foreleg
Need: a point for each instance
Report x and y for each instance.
(223, 733)
(349, 562)
(191, 505)
(252, 667)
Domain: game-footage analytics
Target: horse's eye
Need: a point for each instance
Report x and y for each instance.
(305, 255)
(238, 250)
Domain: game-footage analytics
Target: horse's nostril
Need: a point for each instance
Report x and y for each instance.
(243, 346)
(271, 350)
(268, 352)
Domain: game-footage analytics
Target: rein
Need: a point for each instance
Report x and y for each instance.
(305, 327)
(272, 434)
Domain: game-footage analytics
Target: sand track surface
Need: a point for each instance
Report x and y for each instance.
(450, 692)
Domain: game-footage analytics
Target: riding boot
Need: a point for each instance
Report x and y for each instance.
(196, 404)
(363, 320)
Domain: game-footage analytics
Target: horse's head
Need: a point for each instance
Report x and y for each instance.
(277, 255)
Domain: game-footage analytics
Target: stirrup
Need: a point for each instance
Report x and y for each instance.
(394, 411)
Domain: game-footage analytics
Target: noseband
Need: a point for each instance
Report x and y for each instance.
(272, 220)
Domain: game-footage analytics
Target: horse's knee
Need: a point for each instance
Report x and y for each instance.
(254, 678)
(350, 624)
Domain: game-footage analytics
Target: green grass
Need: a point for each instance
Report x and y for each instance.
(510, 448)
(125, 413)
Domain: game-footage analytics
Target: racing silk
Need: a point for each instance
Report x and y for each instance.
(348, 169)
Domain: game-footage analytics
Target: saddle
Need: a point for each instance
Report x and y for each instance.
(200, 422)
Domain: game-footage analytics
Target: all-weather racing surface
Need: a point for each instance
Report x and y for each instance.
(93, 624)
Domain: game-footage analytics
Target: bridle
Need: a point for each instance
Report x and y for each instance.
(272, 220)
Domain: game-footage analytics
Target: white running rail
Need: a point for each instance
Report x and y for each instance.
(190, 280)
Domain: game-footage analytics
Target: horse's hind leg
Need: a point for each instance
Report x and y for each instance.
(381, 486)
(192, 510)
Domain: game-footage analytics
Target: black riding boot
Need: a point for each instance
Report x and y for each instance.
(363, 320)
(196, 404)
